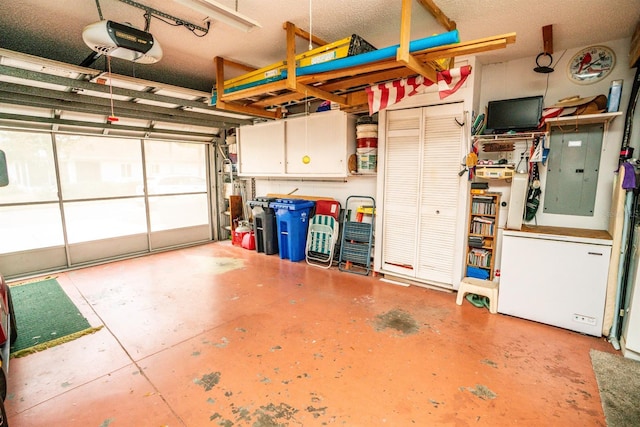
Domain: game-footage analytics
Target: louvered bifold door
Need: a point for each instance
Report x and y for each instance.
(401, 181)
(439, 192)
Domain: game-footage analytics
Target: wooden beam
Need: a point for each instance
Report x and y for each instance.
(403, 54)
(218, 63)
(547, 39)
(425, 70)
(463, 49)
(358, 98)
(254, 91)
(291, 56)
(634, 49)
(259, 112)
(351, 71)
(305, 35)
(321, 94)
(341, 84)
(239, 65)
(437, 13)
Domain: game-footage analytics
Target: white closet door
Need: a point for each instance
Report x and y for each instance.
(439, 192)
(402, 169)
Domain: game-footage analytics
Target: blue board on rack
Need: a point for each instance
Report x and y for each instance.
(356, 60)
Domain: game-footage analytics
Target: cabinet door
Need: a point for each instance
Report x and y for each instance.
(439, 193)
(320, 138)
(261, 149)
(421, 192)
(401, 178)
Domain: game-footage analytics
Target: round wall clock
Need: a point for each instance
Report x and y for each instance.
(591, 64)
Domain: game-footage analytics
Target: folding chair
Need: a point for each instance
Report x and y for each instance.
(321, 240)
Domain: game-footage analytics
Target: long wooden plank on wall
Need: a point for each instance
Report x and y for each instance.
(634, 51)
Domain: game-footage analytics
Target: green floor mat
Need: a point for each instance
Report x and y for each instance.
(45, 316)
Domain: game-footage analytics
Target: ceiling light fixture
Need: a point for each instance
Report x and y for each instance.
(218, 12)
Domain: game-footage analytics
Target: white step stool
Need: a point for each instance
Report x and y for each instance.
(487, 288)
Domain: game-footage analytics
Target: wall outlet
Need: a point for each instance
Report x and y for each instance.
(584, 319)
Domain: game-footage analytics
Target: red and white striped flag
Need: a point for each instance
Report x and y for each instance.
(385, 94)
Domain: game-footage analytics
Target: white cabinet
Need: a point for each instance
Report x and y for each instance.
(423, 194)
(261, 149)
(324, 139)
(555, 277)
(317, 145)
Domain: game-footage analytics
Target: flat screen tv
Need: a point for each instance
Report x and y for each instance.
(517, 114)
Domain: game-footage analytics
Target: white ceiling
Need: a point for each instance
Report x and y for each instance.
(53, 29)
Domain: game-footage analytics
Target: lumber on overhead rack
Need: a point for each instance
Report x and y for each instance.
(346, 85)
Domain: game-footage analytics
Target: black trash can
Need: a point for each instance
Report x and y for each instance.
(264, 221)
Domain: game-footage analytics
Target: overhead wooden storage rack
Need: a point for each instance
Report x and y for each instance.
(346, 86)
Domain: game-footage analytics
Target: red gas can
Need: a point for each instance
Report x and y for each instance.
(249, 241)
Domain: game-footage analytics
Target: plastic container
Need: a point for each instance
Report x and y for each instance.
(366, 134)
(264, 220)
(369, 127)
(249, 241)
(328, 207)
(367, 142)
(367, 159)
(292, 220)
(239, 233)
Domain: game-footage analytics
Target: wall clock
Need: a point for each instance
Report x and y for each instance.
(591, 64)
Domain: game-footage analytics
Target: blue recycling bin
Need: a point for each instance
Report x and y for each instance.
(292, 223)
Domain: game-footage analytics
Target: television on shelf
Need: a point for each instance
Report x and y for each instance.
(516, 114)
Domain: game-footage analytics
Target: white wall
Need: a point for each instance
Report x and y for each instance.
(516, 79)
(364, 185)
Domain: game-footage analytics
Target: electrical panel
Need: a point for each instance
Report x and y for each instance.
(572, 170)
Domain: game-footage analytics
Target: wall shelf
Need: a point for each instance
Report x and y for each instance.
(583, 120)
(502, 137)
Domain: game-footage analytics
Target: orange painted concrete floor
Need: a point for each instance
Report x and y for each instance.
(217, 335)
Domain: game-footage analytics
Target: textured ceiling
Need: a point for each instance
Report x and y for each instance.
(53, 29)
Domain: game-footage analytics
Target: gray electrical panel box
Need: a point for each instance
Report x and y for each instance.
(572, 170)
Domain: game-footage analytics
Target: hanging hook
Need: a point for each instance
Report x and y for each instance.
(459, 124)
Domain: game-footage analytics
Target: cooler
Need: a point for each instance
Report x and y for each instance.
(264, 223)
(292, 221)
(328, 207)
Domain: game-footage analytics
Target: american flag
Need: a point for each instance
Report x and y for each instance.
(385, 94)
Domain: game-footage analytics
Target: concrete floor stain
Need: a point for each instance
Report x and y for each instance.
(489, 362)
(397, 319)
(209, 381)
(220, 265)
(482, 392)
(270, 415)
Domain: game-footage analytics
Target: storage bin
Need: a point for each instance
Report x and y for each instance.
(292, 221)
(264, 219)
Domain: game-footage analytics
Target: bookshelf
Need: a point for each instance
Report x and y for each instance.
(481, 236)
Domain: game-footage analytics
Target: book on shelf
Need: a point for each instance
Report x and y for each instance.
(476, 241)
(483, 207)
(483, 220)
(480, 257)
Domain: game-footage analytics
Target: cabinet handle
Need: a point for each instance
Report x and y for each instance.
(595, 253)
